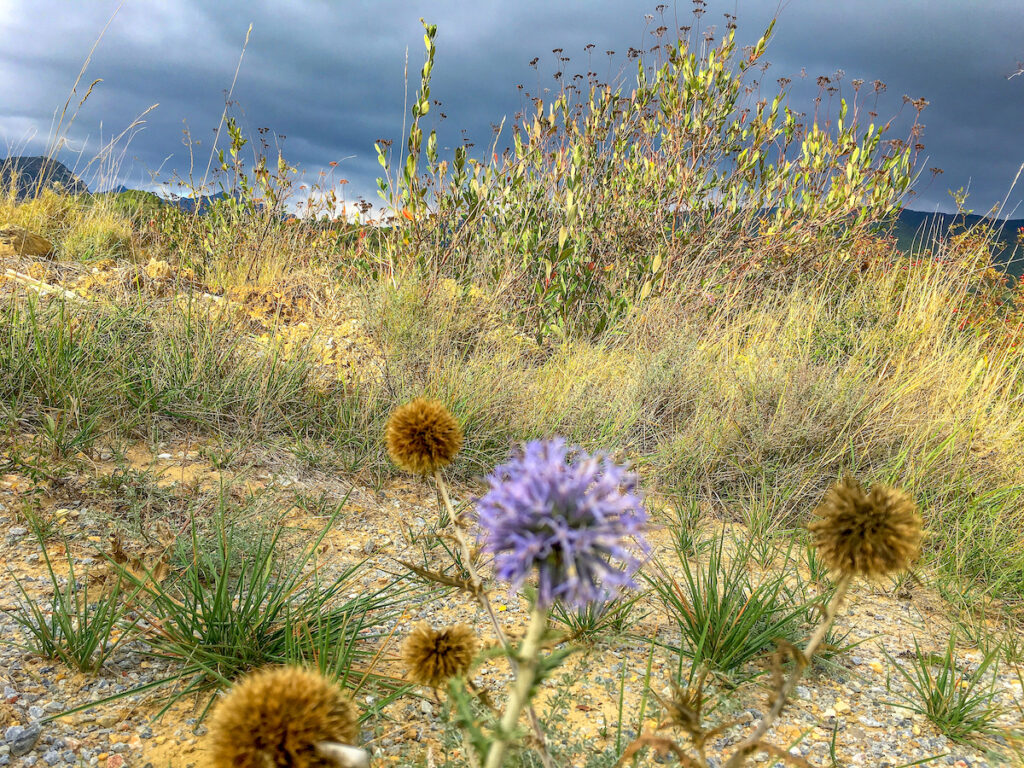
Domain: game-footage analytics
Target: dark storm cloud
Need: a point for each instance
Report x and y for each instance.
(329, 76)
(955, 54)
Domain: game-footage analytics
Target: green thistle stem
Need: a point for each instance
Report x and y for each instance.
(485, 603)
(526, 674)
(442, 488)
(467, 556)
(752, 742)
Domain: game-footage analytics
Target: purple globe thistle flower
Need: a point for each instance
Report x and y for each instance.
(569, 514)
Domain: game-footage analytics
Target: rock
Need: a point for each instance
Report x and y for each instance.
(108, 719)
(22, 738)
(18, 241)
(159, 270)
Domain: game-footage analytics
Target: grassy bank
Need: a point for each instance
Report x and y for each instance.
(753, 410)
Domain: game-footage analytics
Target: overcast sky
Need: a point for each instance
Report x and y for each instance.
(329, 75)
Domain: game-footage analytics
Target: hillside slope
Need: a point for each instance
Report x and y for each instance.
(33, 173)
(915, 230)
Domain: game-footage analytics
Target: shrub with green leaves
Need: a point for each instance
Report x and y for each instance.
(610, 193)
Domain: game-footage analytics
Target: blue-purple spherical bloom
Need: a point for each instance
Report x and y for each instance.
(577, 518)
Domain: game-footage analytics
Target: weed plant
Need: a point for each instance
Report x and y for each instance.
(81, 626)
(240, 608)
(597, 622)
(725, 617)
(962, 704)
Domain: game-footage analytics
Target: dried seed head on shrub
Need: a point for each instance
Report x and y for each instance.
(276, 717)
(866, 534)
(422, 436)
(435, 656)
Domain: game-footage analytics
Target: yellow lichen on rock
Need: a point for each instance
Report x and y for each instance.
(19, 242)
(159, 270)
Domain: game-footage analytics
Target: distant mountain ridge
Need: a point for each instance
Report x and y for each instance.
(36, 173)
(190, 204)
(914, 230)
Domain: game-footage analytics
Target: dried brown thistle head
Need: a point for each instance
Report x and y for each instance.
(279, 717)
(422, 436)
(684, 708)
(434, 656)
(866, 534)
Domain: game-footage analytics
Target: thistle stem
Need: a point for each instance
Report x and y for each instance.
(752, 742)
(442, 488)
(343, 755)
(525, 676)
(485, 603)
(467, 556)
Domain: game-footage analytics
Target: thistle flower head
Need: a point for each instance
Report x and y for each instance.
(422, 436)
(570, 515)
(277, 717)
(434, 656)
(866, 534)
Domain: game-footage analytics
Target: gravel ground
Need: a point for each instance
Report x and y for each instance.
(850, 695)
